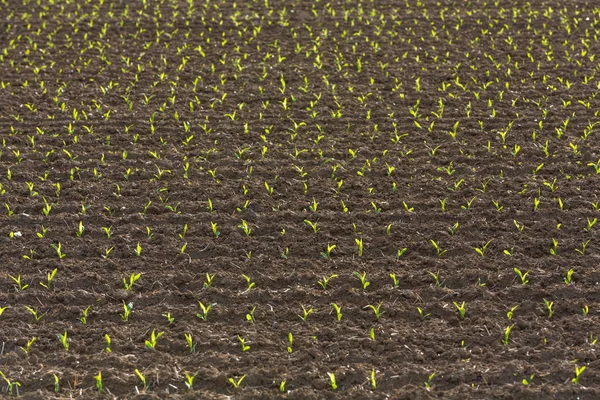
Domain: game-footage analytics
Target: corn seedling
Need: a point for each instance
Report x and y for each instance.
(190, 342)
(436, 278)
(453, 229)
(34, 312)
(236, 384)
(507, 331)
(19, 285)
(215, 231)
(313, 225)
(422, 313)
(209, 280)
(98, 379)
(372, 334)
(428, 383)
(372, 379)
(245, 228)
(84, 315)
(58, 249)
(243, 343)
(189, 380)
(578, 372)
(305, 313)
(460, 308)
(363, 279)
(554, 247)
(376, 309)
(437, 248)
(250, 315)
(359, 246)
(80, 229)
(142, 379)
(2, 309)
(338, 311)
(401, 252)
(522, 276)
(327, 254)
(511, 312)
(138, 248)
(395, 281)
(170, 319)
(10, 385)
(62, 338)
(151, 344)
(332, 382)
(290, 342)
(203, 314)
(56, 383)
(568, 279)
(28, 345)
(126, 311)
(527, 381)
(282, 387)
(549, 305)
(481, 250)
(518, 225)
(583, 247)
(132, 279)
(49, 278)
(249, 282)
(108, 343)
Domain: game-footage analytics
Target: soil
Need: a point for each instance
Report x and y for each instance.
(104, 125)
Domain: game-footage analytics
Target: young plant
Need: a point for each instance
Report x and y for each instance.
(236, 384)
(209, 280)
(243, 343)
(332, 382)
(290, 342)
(583, 247)
(363, 279)
(99, 384)
(372, 379)
(327, 254)
(151, 344)
(460, 308)
(395, 281)
(249, 282)
(481, 250)
(190, 342)
(49, 279)
(338, 311)
(511, 312)
(436, 278)
(250, 315)
(142, 379)
(169, 318)
(549, 305)
(58, 249)
(108, 343)
(126, 311)
(28, 345)
(507, 331)
(578, 372)
(437, 248)
(62, 338)
(19, 285)
(132, 279)
(245, 227)
(203, 314)
(429, 382)
(34, 312)
(522, 276)
(138, 248)
(305, 313)
(325, 281)
(376, 309)
(313, 225)
(189, 380)
(527, 381)
(422, 313)
(359, 246)
(10, 385)
(568, 279)
(84, 315)
(215, 231)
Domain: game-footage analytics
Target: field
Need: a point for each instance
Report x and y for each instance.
(303, 200)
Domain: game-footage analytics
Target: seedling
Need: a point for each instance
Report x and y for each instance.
(395, 281)
(190, 342)
(2, 309)
(49, 279)
(169, 318)
(583, 247)
(18, 284)
(519, 226)
(578, 372)
(10, 384)
(151, 344)
(313, 225)
(507, 331)
(549, 305)
(250, 315)
(203, 314)
(376, 309)
(453, 229)
(132, 279)
(236, 384)
(429, 382)
(84, 315)
(108, 343)
(58, 249)
(80, 229)
(325, 281)
(569, 278)
(28, 345)
(511, 312)
(422, 313)
(138, 248)
(56, 383)
(142, 379)
(460, 308)
(282, 387)
(327, 254)
(438, 250)
(527, 381)
(62, 338)
(372, 334)
(522, 276)
(34, 312)
(215, 231)
(554, 247)
(481, 250)
(372, 379)
(305, 313)
(126, 311)
(401, 252)
(332, 381)
(209, 280)
(290, 342)
(98, 378)
(189, 380)
(363, 279)
(249, 282)
(436, 278)
(359, 246)
(338, 311)
(243, 343)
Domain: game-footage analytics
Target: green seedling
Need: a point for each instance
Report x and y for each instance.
(363, 279)
(507, 331)
(452, 230)
(305, 313)
(236, 384)
(436, 278)
(327, 254)
(332, 382)
(243, 343)
(10, 385)
(481, 250)
(190, 342)
(215, 231)
(189, 380)
(209, 280)
(372, 334)
(250, 315)
(249, 282)
(142, 379)
(58, 249)
(376, 309)
(108, 343)
(437, 248)
(151, 344)
(62, 338)
(422, 313)
(2, 309)
(34, 312)
(203, 314)
(583, 247)
(313, 225)
(28, 345)
(372, 379)
(522, 276)
(511, 312)
(338, 311)
(359, 246)
(549, 305)
(553, 250)
(282, 387)
(245, 228)
(290, 342)
(19, 285)
(428, 383)
(99, 384)
(42, 234)
(169, 318)
(132, 279)
(84, 315)
(49, 278)
(590, 224)
(395, 281)
(527, 381)
(519, 226)
(460, 308)
(578, 372)
(80, 229)
(325, 281)
(56, 383)
(401, 252)
(138, 248)
(126, 311)
(568, 279)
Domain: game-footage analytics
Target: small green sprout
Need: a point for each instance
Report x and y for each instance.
(422, 313)
(236, 384)
(325, 281)
(245, 227)
(510, 313)
(250, 315)
(2, 309)
(481, 250)
(142, 379)
(84, 315)
(569, 278)
(583, 247)
(376, 309)
(209, 280)
(243, 343)
(62, 338)
(190, 342)
(395, 281)
(554, 249)
(27, 347)
(49, 278)
(169, 318)
(436, 278)
(132, 279)
(305, 313)
(34, 312)
(527, 381)
(18, 283)
(522, 276)
(203, 315)
(98, 379)
(138, 248)
(429, 381)
(401, 252)
(126, 311)
(453, 229)
(460, 308)
(359, 246)
(372, 334)
(549, 305)
(108, 343)
(151, 344)
(282, 387)
(363, 279)
(10, 384)
(215, 231)
(585, 311)
(56, 383)
(327, 254)
(58, 248)
(338, 311)
(290, 342)
(313, 225)
(437, 248)
(249, 282)
(507, 331)
(189, 380)
(332, 382)
(578, 372)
